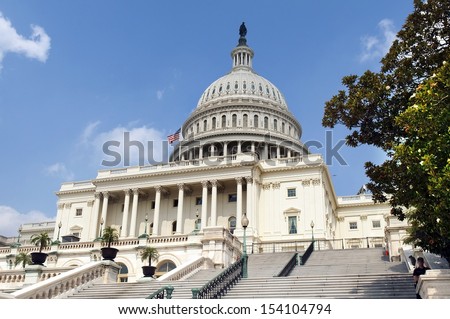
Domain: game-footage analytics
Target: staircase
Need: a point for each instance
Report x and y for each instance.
(141, 290)
(267, 265)
(356, 273)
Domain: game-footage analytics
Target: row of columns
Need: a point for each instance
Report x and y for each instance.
(181, 191)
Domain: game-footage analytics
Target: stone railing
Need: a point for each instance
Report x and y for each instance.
(71, 281)
(435, 284)
(185, 270)
(167, 239)
(76, 245)
(30, 249)
(5, 251)
(12, 278)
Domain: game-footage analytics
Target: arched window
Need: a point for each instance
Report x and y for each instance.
(205, 125)
(234, 120)
(245, 120)
(123, 273)
(213, 123)
(255, 121)
(282, 127)
(275, 125)
(266, 122)
(232, 224)
(174, 227)
(198, 128)
(224, 121)
(164, 267)
(289, 132)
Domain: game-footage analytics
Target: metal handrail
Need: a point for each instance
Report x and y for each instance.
(308, 252)
(289, 266)
(219, 285)
(162, 292)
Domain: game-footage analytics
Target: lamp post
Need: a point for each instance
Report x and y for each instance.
(18, 237)
(197, 224)
(57, 241)
(244, 222)
(312, 231)
(101, 227)
(146, 220)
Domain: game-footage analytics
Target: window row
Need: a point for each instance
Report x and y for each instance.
(246, 122)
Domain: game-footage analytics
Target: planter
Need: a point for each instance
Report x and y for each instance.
(148, 271)
(38, 258)
(109, 253)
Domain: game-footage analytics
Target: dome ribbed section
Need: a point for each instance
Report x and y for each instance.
(242, 83)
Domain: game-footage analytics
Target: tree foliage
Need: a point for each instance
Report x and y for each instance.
(42, 240)
(150, 253)
(424, 155)
(379, 108)
(110, 235)
(23, 258)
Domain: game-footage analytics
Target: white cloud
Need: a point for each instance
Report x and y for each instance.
(59, 170)
(36, 47)
(159, 94)
(124, 145)
(12, 219)
(375, 47)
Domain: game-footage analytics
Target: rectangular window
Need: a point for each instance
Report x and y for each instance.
(292, 223)
(353, 225)
(153, 204)
(291, 192)
(232, 198)
(376, 224)
(79, 212)
(175, 203)
(198, 201)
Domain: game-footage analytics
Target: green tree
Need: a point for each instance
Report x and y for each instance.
(424, 157)
(42, 240)
(373, 105)
(150, 253)
(110, 235)
(23, 258)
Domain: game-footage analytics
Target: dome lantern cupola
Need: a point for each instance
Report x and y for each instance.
(242, 55)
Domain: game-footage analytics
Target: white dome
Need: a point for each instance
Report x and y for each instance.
(239, 83)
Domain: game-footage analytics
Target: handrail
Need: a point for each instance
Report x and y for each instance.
(161, 292)
(308, 252)
(219, 285)
(288, 267)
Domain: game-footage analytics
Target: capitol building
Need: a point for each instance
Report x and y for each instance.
(241, 155)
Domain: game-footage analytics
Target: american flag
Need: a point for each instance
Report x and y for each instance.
(174, 137)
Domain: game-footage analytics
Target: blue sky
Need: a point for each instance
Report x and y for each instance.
(74, 74)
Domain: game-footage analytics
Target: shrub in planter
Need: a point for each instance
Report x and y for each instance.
(110, 235)
(42, 240)
(149, 253)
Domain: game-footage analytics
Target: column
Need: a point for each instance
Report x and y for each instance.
(239, 150)
(289, 153)
(105, 206)
(239, 202)
(126, 209)
(200, 152)
(214, 203)
(266, 151)
(134, 210)
(253, 147)
(204, 204)
(225, 149)
(250, 211)
(157, 209)
(180, 209)
(95, 213)
(278, 151)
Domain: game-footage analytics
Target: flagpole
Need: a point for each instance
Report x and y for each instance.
(179, 143)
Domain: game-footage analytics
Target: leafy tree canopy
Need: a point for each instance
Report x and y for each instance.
(403, 109)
